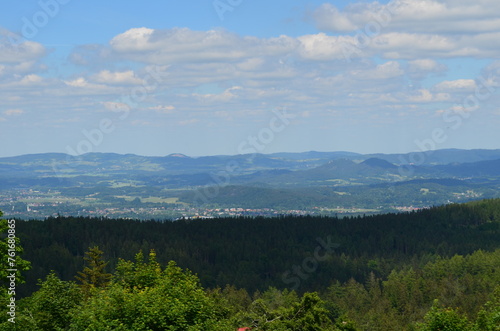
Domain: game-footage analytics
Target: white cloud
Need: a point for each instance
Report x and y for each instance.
(328, 17)
(135, 40)
(183, 45)
(459, 84)
(322, 47)
(124, 77)
(421, 68)
(31, 79)
(424, 65)
(81, 85)
(251, 64)
(78, 82)
(425, 96)
(163, 109)
(225, 96)
(384, 71)
(398, 45)
(14, 49)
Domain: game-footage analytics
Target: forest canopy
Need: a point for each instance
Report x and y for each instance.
(413, 271)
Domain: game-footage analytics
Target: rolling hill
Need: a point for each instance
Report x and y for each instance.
(40, 185)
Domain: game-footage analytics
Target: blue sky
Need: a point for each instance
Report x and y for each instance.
(237, 76)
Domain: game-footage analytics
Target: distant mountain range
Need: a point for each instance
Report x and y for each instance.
(308, 179)
(180, 163)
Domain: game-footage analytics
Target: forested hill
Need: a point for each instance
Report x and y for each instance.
(302, 253)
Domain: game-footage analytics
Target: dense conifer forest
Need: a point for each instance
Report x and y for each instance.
(434, 269)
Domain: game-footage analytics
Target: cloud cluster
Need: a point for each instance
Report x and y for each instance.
(188, 46)
(19, 58)
(415, 16)
(14, 50)
(412, 29)
(367, 63)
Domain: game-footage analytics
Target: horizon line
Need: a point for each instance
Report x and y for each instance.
(273, 153)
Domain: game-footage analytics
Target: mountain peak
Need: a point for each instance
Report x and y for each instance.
(178, 155)
(379, 163)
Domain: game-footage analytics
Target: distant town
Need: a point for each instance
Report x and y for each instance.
(34, 204)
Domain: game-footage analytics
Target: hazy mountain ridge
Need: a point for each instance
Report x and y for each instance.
(306, 181)
(112, 162)
(281, 169)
